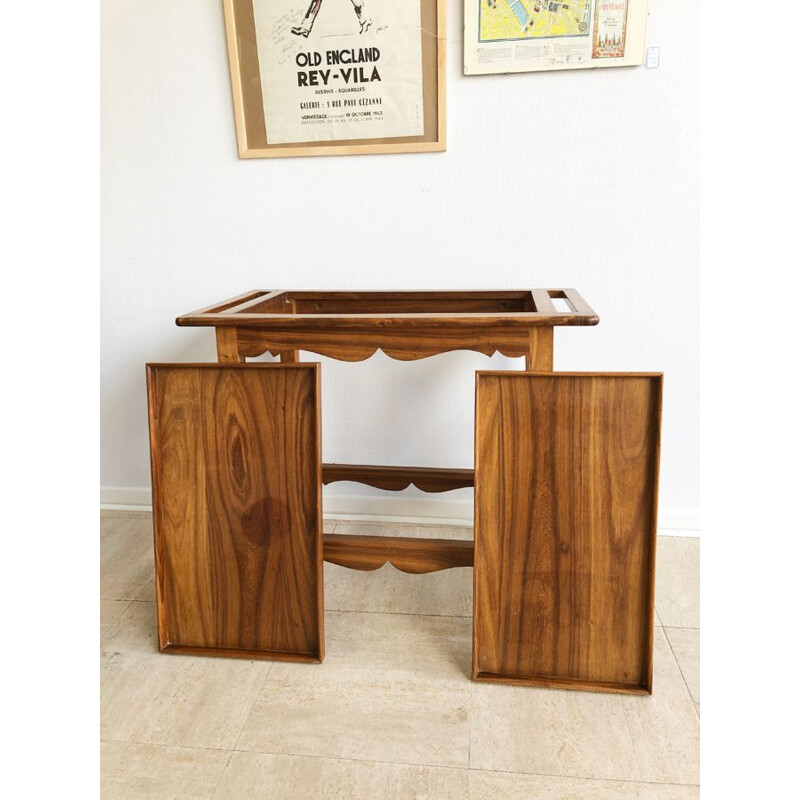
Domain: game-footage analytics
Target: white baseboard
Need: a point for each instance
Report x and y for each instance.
(115, 497)
(419, 510)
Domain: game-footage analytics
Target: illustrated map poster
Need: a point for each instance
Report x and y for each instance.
(532, 35)
(340, 69)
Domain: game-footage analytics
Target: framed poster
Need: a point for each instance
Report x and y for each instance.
(535, 35)
(337, 77)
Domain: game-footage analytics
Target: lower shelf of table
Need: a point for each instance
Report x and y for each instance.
(404, 553)
(394, 479)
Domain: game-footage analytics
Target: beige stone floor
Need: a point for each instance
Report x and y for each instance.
(391, 713)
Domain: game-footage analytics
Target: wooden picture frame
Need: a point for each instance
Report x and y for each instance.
(251, 129)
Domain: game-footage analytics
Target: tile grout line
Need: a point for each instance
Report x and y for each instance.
(119, 619)
(161, 744)
(275, 753)
(221, 776)
(581, 777)
(394, 763)
(467, 769)
(350, 758)
(471, 711)
(680, 669)
(252, 705)
(124, 600)
(462, 769)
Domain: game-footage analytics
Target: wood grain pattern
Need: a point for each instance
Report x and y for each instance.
(542, 302)
(217, 308)
(394, 479)
(235, 455)
(320, 311)
(566, 486)
(407, 554)
(401, 345)
(539, 357)
(228, 346)
(260, 303)
(352, 326)
(389, 303)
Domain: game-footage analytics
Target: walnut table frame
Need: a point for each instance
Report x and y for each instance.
(352, 326)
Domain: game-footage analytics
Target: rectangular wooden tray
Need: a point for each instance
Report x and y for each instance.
(235, 454)
(566, 488)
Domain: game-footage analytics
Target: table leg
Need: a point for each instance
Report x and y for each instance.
(539, 357)
(228, 346)
(291, 356)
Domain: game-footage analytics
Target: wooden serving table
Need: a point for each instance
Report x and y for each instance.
(352, 326)
(565, 477)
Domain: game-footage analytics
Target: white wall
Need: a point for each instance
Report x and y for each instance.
(585, 179)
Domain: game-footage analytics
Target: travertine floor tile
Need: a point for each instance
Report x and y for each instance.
(126, 555)
(392, 688)
(678, 581)
(686, 647)
(251, 775)
(110, 612)
(150, 772)
(508, 786)
(148, 592)
(447, 593)
(604, 736)
(155, 698)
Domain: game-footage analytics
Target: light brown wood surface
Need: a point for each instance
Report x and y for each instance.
(235, 456)
(539, 355)
(228, 346)
(566, 486)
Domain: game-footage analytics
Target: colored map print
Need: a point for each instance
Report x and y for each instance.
(501, 20)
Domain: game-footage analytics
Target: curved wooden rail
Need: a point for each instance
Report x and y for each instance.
(399, 345)
(394, 479)
(356, 353)
(416, 556)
